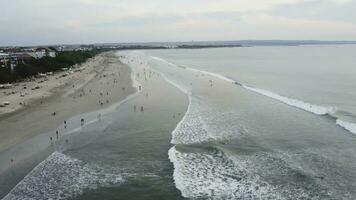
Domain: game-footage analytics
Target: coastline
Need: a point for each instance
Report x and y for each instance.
(122, 128)
(100, 82)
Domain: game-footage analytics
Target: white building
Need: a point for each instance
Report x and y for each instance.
(51, 54)
(37, 54)
(42, 52)
(4, 58)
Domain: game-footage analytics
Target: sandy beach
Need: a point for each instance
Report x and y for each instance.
(42, 104)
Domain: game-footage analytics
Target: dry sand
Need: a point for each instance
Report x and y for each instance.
(101, 81)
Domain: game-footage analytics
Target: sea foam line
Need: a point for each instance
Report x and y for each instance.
(43, 181)
(195, 177)
(316, 109)
(347, 125)
(312, 108)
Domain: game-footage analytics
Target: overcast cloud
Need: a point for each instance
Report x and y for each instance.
(29, 22)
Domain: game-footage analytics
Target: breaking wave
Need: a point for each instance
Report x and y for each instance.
(213, 175)
(347, 125)
(312, 108)
(62, 177)
(316, 109)
(309, 107)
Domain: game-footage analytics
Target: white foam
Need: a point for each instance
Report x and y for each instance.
(197, 70)
(351, 127)
(162, 60)
(180, 87)
(212, 175)
(62, 177)
(213, 74)
(312, 108)
(316, 109)
(200, 124)
(191, 129)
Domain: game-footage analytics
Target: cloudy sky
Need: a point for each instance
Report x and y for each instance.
(29, 22)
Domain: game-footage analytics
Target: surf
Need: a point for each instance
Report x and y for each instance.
(212, 172)
(75, 176)
(300, 104)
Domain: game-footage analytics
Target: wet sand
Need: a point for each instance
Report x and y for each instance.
(98, 83)
(130, 140)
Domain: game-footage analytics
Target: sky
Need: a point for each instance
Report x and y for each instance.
(45, 22)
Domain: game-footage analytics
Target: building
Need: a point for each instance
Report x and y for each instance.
(51, 53)
(37, 54)
(14, 56)
(4, 59)
(42, 52)
(20, 57)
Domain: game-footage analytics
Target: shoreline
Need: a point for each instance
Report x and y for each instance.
(101, 82)
(121, 125)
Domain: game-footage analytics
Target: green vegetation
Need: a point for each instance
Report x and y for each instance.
(46, 64)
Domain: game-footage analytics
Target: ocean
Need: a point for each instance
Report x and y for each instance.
(265, 122)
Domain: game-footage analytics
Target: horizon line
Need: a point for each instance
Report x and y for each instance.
(308, 41)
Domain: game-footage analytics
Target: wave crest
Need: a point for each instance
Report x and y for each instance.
(347, 125)
(213, 175)
(316, 109)
(62, 177)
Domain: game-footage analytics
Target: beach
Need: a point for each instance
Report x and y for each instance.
(96, 84)
(125, 148)
(194, 128)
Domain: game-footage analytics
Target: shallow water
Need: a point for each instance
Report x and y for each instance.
(235, 143)
(231, 142)
(123, 154)
(319, 79)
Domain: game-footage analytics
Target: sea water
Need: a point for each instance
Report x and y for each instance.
(264, 122)
(229, 123)
(318, 79)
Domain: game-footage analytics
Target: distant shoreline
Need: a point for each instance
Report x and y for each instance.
(190, 44)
